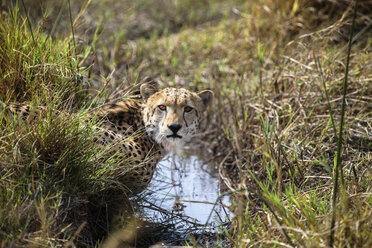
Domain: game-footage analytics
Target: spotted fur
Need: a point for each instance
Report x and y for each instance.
(158, 123)
(141, 133)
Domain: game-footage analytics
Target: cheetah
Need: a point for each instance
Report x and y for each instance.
(144, 130)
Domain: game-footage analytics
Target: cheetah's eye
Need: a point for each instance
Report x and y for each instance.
(162, 107)
(188, 109)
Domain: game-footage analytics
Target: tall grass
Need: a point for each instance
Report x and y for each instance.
(36, 66)
(54, 179)
(277, 70)
(281, 145)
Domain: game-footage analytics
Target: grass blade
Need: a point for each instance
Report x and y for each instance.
(28, 21)
(72, 30)
(58, 19)
(338, 168)
(326, 94)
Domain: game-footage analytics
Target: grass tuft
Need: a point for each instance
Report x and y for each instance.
(41, 69)
(54, 179)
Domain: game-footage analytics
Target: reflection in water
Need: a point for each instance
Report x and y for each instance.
(186, 186)
(176, 206)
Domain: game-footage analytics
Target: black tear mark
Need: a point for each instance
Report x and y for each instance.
(185, 120)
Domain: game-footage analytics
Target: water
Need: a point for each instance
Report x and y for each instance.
(180, 205)
(184, 191)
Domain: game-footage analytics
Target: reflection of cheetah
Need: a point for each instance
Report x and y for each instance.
(170, 117)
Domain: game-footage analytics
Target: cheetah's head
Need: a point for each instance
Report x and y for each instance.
(172, 116)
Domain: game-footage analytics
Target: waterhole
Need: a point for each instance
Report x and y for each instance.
(183, 199)
(186, 185)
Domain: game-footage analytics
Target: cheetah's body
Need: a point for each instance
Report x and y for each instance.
(141, 132)
(124, 131)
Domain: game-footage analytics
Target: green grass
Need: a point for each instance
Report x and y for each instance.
(276, 68)
(38, 67)
(53, 177)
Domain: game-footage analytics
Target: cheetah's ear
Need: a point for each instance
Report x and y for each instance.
(147, 89)
(206, 97)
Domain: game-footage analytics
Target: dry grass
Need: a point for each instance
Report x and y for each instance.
(272, 66)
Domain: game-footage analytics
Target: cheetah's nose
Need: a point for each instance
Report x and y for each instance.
(174, 127)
